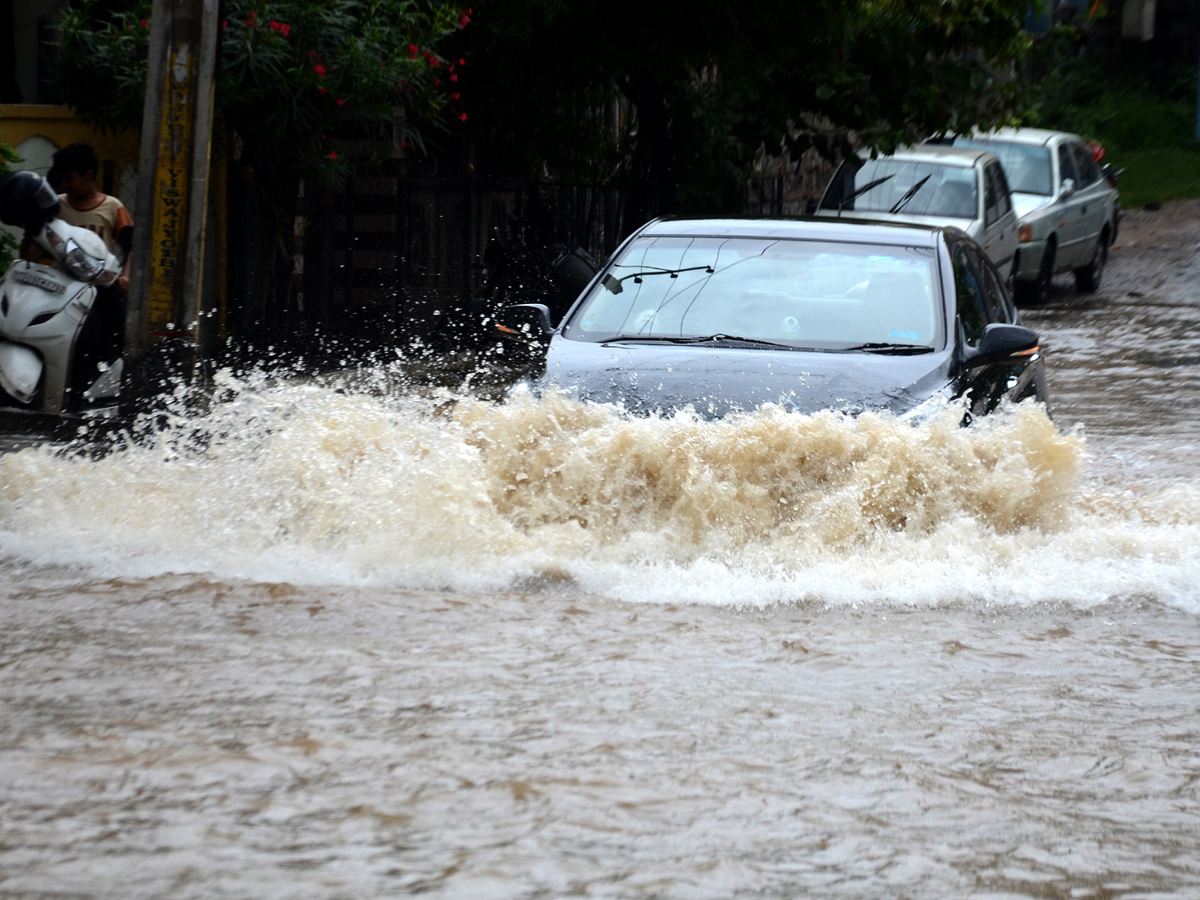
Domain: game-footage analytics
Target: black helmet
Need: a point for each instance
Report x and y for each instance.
(27, 201)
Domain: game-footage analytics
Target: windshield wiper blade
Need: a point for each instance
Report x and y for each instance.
(697, 339)
(884, 347)
(909, 194)
(869, 186)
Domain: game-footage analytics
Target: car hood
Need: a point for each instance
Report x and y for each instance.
(714, 381)
(1024, 204)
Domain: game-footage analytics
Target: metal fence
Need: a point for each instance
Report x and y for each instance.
(406, 254)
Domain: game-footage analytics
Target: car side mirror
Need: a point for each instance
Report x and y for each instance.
(530, 321)
(1003, 344)
(1068, 188)
(810, 208)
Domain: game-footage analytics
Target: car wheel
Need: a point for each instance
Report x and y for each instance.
(1037, 292)
(1087, 279)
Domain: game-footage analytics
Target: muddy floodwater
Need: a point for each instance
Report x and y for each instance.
(331, 640)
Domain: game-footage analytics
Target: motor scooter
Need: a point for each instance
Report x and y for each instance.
(45, 306)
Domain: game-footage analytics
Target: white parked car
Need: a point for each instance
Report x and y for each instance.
(934, 185)
(1067, 209)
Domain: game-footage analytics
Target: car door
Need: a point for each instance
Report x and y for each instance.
(981, 300)
(1070, 213)
(1093, 192)
(999, 219)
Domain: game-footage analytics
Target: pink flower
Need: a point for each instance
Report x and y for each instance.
(341, 101)
(274, 25)
(323, 92)
(463, 117)
(285, 30)
(462, 23)
(454, 78)
(145, 23)
(333, 154)
(320, 70)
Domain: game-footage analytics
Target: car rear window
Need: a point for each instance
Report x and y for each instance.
(811, 294)
(949, 191)
(1026, 165)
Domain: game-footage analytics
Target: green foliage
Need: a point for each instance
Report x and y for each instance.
(8, 244)
(1146, 124)
(706, 85)
(104, 62)
(1156, 175)
(1083, 93)
(296, 74)
(293, 75)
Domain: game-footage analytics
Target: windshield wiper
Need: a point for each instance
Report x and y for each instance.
(869, 186)
(615, 287)
(696, 339)
(895, 349)
(909, 194)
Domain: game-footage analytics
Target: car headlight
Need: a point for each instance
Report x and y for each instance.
(82, 264)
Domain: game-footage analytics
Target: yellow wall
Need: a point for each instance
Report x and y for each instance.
(36, 131)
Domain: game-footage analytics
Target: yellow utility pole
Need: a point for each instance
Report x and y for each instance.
(167, 281)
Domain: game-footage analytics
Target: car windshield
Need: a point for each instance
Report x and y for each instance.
(1026, 165)
(792, 293)
(950, 191)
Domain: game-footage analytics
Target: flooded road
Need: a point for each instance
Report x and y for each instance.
(349, 644)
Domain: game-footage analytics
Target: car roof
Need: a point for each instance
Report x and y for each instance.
(944, 154)
(822, 228)
(1036, 136)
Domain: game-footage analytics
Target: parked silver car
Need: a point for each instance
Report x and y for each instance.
(1067, 210)
(931, 185)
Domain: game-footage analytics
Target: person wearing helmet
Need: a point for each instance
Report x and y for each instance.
(28, 202)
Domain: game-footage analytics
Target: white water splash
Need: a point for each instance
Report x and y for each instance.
(309, 482)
